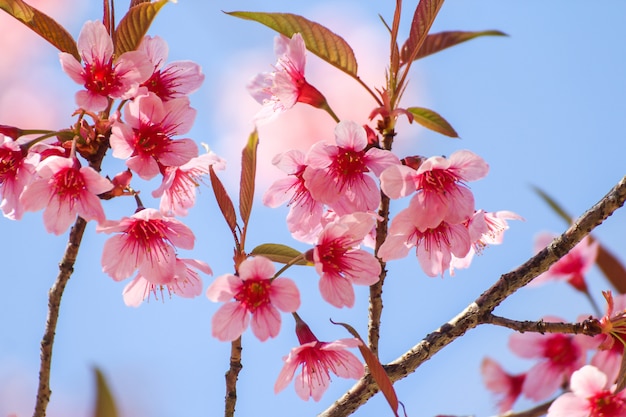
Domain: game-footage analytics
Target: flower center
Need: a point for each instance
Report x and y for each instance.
(100, 78)
(560, 350)
(69, 183)
(150, 140)
(254, 293)
(350, 163)
(332, 254)
(605, 404)
(9, 162)
(437, 180)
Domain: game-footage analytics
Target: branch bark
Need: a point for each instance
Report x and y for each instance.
(479, 311)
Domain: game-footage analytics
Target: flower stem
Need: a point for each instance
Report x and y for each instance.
(66, 267)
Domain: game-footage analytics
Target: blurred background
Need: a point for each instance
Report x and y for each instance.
(544, 106)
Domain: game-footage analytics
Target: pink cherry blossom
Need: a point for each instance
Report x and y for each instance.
(16, 172)
(340, 262)
(145, 242)
(559, 356)
(573, 266)
(591, 396)
(255, 295)
(435, 247)
(101, 77)
(305, 213)
(339, 174)
(280, 90)
(65, 190)
(440, 185)
(145, 139)
(173, 80)
(185, 283)
(507, 387)
(178, 189)
(317, 359)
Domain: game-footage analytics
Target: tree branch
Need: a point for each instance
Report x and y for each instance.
(231, 377)
(589, 327)
(478, 311)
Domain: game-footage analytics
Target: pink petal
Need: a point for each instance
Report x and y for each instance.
(569, 405)
(256, 268)
(351, 135)
(229, 321)
(284, 295)
(397, 181)
(337, 290)
(588, 381)
(265, 322)
(224, 288)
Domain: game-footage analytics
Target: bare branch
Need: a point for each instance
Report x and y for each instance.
(231, 377)
(589, 327)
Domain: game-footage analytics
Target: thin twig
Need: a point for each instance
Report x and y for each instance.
(537, 411)
(589, 327)
(66, 267)
(475, 313)
(231, 377)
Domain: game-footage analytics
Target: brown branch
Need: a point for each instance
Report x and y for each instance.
(66, 267)
(589, 327)
(231, 377)
(540, 410)
(476, 312)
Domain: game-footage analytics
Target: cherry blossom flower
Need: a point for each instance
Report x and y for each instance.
(507, 387)
(145, 242)
(16, 172)
(101, 76)
(339, 175)
(485, 228)
(559, 354)
(440, 185)
(255, 294)
(178, 189)
(340, 262)
(65, 190)
(317, 359)
(591, 396)
(173, 80)
(572, 267)
(145, 139)
(185, 283)
(305, 213)
(435, 247)
(280, 90)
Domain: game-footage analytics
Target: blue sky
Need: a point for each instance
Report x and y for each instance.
(543, 107)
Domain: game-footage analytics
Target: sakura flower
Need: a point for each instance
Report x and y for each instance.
(65, 190)
(317, 359)
(145, 139)
(507, 387)
(338, 174)
(591, 396)
(559, 354)
(185, 282)
(280, 90)
(173, 80)
(439, 182)
(340, 262)
(573, 266)
(305, 212)
(435, 247)
(255, 294)
(16, 172)
(178, 189)
(102, 77)
(484, 228)
(145, 242)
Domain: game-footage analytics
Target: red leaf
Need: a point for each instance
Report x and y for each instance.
(134, 25)
(433, 121)
(439, 41)
(248, 175)
(223, 201)
(423, 19)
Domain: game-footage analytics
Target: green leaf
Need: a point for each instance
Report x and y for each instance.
(223, 201)
(433, 121)
(423, 19)
(318, 39)
(42, 24)
(279, 253)
(439, 41)
(134, 25)
(105, 404)
(611, 267)
(248, 175)
(376, 369)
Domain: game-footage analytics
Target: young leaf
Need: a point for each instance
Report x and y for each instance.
(278, 253)
(223, 201)
(42, 24)
(134, 25)
(376, 369)
(248, 175)
(433, 121)
(423, 19)
(439, 41)
(318, 39)
(105, 404)
(610, 266)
